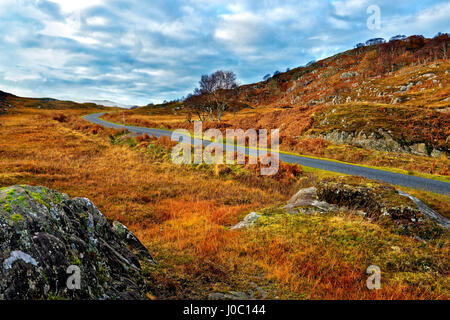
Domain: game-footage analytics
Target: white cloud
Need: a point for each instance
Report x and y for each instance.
(16, 77)
(240, 31)
(43, 57)
(157, 72)
(76, 5)
(140, 51)
(96, 21)
(440, 12)
(67, 29)
(427, 22)
(339, 23)
(350, 7)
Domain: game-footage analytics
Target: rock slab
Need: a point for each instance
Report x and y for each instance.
(45, 236)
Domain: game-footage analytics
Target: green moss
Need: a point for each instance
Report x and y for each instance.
(114, 138)
(55, 297)
(103, 275)
(273, 211)
(75, 261)
(131, 142)
(84, 216)
(45, 277)
(239, 170)
(57, 198)
(38, 197)
(158, 152)
(7, 207)
(17, 218)
(20, 201)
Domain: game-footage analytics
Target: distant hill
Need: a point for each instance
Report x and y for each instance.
(109, 103)
(9, 101)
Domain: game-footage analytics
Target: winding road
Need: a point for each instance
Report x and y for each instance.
(339, 167)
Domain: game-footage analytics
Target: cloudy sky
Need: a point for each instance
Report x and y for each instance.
(142, 51)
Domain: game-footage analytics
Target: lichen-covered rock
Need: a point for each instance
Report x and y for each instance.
(306, 201)
(377, 140)
(380, 140)
(248, 221)
(349, 74)
(373, 198)
(43, 233)
(378, 200)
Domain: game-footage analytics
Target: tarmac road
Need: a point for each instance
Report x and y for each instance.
(350, 169)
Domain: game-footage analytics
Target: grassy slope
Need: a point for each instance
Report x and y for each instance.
(182, 214)
(370, 99)
(112, 117)
(11, 101)
(420, 166)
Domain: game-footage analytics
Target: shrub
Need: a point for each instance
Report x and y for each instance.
(142, 138)
(59, 117)
(95, 129)
(165, 142)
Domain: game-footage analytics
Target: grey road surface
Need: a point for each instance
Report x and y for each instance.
(386, 176)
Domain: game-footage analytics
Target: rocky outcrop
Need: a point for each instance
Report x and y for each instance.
(248, 221)
(427, 210)
(379, 140)
(306, 200)
(373, 200)
(349, 74)
(49, 241)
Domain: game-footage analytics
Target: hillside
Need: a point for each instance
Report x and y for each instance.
(188, 217)
(383, 105)
(108, 103)
(333, 79)
(401, 87)
(9, 102)
(225, 231)
(206, 170)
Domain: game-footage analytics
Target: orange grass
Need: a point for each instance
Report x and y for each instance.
(182, 213)
(293, 123)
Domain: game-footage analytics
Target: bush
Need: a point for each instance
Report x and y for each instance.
(95, 129)
(165, 142)
(142, 138)
(59, 117)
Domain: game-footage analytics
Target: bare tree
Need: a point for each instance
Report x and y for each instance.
(196, 104)
(214, 95)
(220, 89)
